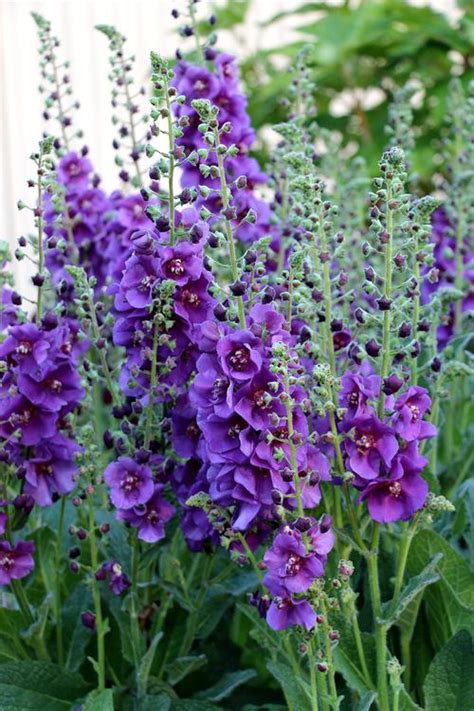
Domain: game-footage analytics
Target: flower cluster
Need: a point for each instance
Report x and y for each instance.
(220, 86)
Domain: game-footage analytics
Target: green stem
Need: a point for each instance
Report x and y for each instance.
(228, 227)
(192, 13)
(405, 646)
(96, 597)
(312, 677)
(331, 673)
(22, 600)
(102, 356)
(250, 556)
(171, 165)
(39, 297)
(57, 597)
(354, 619)
(293, 459)
(407, 538)
(458, 280)
(131, 121)
(380, 630)
(387, 315)
(151, 394)
(416, 308)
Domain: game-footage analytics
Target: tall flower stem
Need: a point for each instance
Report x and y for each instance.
(39, 212)
(102, 356)
(151, 395)
(171, 164)
(228, 226)
(100, 632)
(194, 24)
(380, 629)
(22, 600)
(407, 539)
(458, 279)
(387, 314)
(129, 107)
(293, 459)
(57, 594)
(312, 677)
(416, 307)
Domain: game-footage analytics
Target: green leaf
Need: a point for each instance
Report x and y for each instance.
(292, 690)
(160, 702)
(407, 703)
(449, 601)
(347, 663)
(449, 683)
(226, 685)
(30, 686)
(143, 671)
(182, 666)
(100, 700)
(366, 701)
(415, 586)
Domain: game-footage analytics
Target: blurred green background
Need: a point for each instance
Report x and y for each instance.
(361, 52)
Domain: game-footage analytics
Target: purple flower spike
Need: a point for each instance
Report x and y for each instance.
(373, 444)
(131, 484)
(15, 561)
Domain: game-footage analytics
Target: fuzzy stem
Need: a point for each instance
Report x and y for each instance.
(192, 14)
(228, 227)
(416, 308)
(380, 629)
(40, 238)
(407, 538)
(171, 165)
(22, 600)
(57, 596)
(130, 119)
(102, 356)
(458, 280)
(250, 556)
(96, 596)
(293, 459)
(312, 676)
(387, 314)
(62, 115)
(333, 698)
(149, 410)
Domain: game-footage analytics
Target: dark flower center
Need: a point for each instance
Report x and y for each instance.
(24, 348)
(192, 430)
(130, 483)
(190, 298)
(239, 358)
(146, 283)
(44, 469)
(7, 561)
(54, 385)
(395, 489)
(415, 412)
(365, 442)
(153, 517)
(281, 432)
(353, 398)
(74, 170)
(260, 399)
(218, 389)
(235, 429)
(175, 267)
(293, 566)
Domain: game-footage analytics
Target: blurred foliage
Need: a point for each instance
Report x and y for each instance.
(361, 53)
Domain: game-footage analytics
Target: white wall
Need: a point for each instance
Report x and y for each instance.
(147, 24)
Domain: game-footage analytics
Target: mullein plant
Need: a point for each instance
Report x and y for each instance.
(214, 392)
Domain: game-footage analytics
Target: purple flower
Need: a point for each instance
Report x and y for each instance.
(3, 523)
(239, 355)
(59, 388)
(373, 444)
(131, 484)
(182, 263)
(139, 278)
(211, 389)
(357, 389)
(149, 518)
(74, 171)
(286, 611)
(193, 302)
(288, 564)
(118, 580)
(255, 401)
(18, 414)
(27, 347)
(51, 470)
(15, 561)
(409, 410)
(131, 213)
(395, 499)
